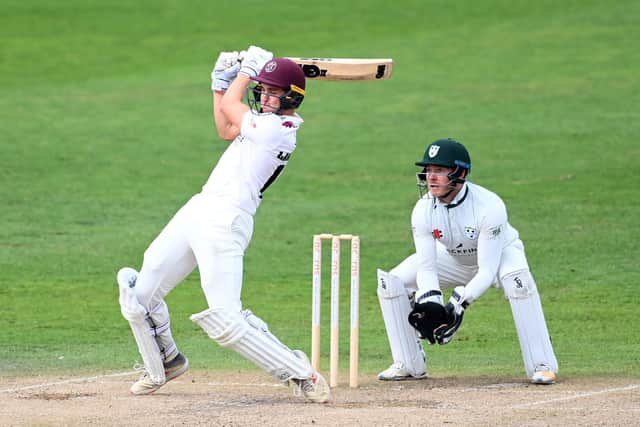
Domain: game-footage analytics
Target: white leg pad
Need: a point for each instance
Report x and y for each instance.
(403, 338)
(248, 335)
(535, 343)
(160, 324)
(135, 313)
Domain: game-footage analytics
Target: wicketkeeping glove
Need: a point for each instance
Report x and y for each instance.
(225, 70)
(254, 59)
(455, 313)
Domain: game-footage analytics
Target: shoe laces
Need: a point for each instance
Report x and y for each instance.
(304, 386)
(397, 366)
(138, 367)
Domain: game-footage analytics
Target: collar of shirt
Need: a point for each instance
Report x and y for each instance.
(460, 197)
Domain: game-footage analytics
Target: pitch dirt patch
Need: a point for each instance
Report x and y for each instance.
(250, 399)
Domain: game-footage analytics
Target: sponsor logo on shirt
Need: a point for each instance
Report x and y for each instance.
(288, 124)
(494, 232)
(460, 250)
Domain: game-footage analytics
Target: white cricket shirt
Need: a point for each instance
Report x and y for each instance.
(253, 160)
(473, 229)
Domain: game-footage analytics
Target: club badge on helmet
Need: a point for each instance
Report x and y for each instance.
(448, 153)
(285, 74)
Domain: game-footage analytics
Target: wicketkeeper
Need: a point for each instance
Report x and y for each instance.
(464, 241)
(213, 229)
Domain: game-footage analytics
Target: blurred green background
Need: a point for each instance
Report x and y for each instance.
(106, 130)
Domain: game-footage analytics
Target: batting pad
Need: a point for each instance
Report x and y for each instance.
(147, 346)
(535, 343)
(248, 335)
(403, 339)
(160, 325)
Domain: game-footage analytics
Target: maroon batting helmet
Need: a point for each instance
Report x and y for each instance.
(285, 74)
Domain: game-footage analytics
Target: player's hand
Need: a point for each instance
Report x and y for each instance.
(253, 60)
(455, 313)
(226, 60)
(225, 70)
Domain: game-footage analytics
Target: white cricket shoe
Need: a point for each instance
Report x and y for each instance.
(173, 369)
(543, 375)
(314, 388)
(398, 372)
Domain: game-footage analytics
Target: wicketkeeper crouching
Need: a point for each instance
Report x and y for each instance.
(463, 240)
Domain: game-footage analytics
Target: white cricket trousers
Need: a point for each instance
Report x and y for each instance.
(206, 233)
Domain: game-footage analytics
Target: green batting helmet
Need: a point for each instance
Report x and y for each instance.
(446, 152)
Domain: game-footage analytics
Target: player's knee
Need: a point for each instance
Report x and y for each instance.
(222, 325)
(518, 284)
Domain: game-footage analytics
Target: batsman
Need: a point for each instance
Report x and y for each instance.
(214, 228)
(463, 240)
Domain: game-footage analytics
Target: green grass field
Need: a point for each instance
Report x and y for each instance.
(106, 130)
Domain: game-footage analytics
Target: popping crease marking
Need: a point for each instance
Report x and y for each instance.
(122, 374)
(69, 381)
(578, 396)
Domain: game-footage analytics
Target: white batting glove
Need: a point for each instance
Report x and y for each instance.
(225, 70)
(222, 79)
(226, 60)
(254, 59)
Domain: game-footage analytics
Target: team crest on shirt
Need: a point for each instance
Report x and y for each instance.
(437, 234)
(472, 233)
(433, 150)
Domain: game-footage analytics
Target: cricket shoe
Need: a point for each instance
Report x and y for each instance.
(398, 372)
(543, 375)
(173, 369)
(314, 388)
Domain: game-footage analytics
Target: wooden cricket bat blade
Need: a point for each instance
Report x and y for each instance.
(345, 68)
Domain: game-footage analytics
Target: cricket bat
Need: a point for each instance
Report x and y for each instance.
(346, 69)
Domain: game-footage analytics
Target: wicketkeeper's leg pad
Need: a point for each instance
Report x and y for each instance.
(403, 338)
(136, 314)
(521, 291)
(249, 335)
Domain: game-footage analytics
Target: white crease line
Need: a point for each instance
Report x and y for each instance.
(122, 374)
(72, 380)
(578, 396)
(246, 385)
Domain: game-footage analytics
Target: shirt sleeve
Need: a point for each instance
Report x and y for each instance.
(425, 243)
(490, 245)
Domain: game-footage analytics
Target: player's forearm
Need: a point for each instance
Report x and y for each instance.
(231, 103)
(223, 126)
(478, 285)
(489, 254)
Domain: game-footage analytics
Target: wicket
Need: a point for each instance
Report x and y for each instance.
(335, 305)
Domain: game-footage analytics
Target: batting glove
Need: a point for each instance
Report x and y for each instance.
(225, 70)
(254, 60)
